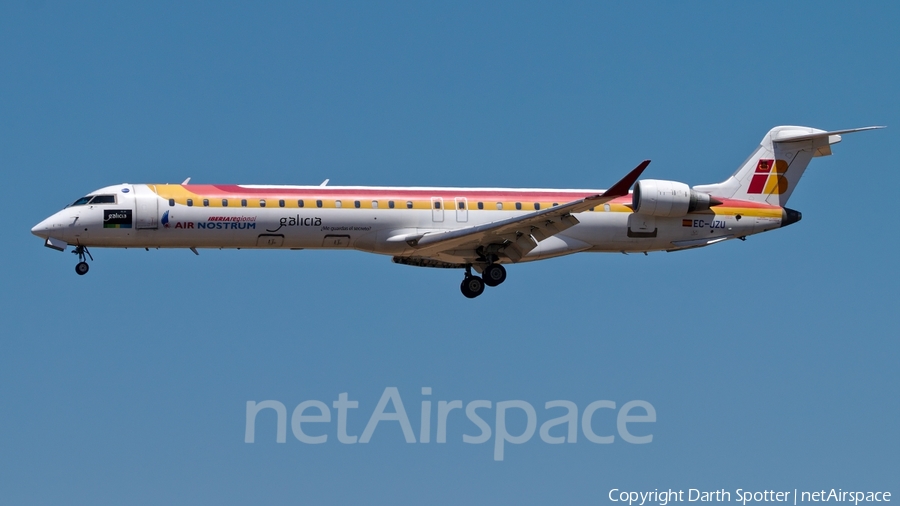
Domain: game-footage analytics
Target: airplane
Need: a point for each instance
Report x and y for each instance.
(473, 229)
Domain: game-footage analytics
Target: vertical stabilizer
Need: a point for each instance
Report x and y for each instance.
(772, 172)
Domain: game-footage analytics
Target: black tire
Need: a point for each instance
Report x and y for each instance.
(472, 287)
(494, 274)
(82, 268)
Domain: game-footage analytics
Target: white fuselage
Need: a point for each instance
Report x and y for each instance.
(375, 219)
(476, 229)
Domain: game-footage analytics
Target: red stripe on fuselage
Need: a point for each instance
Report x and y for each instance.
(235, 191)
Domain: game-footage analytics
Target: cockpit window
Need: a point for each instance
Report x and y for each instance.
(103, 199)
(95, 199)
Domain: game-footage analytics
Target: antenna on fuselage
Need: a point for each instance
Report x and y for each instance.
(325, 183)
(186, 181)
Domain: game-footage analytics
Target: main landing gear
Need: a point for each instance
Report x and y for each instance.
(494, 274)
(82, 267)
(472, 286)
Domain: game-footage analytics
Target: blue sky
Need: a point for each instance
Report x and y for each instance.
(771, 363)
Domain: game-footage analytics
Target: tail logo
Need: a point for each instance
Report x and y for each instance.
(769, 178)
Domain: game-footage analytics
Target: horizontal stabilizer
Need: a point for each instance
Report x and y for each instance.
(792, 136)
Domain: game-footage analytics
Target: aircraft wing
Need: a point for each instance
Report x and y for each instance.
(521, 234)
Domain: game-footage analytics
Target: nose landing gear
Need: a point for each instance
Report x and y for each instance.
(82, 267)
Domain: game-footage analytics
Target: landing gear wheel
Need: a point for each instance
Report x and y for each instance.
(82, 253)
(494, 274)
(472, 287)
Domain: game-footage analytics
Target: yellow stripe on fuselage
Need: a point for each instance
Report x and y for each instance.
(756, 212)
(180, 195)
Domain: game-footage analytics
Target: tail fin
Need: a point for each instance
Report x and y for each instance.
(774, 169)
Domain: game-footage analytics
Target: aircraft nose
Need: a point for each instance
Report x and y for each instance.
(42, 229)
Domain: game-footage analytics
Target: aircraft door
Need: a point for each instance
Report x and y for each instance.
(146, 207)
(437, 209)
(462, 209)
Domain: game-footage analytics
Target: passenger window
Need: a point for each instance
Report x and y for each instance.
(318, 203)
(300, 203)
(461, 205)
(374, 204)
(409, 204)
(224, 202)
(481, 205)
(499, 205)
(262, 203)
(391, 204)
(190, 202)
(171, 202)
(356, 204)
(205, 202)
(518, 206)
(281, 203)
(337, 203)
(243, 202)
(437, 204)
(555, 204)
(537, 206)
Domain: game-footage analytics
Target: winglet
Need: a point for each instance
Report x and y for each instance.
(621, 188)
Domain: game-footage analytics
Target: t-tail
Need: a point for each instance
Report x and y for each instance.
(772, 172)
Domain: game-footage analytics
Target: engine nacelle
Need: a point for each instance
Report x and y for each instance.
(671, 199)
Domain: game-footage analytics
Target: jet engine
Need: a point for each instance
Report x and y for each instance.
(670, 199)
